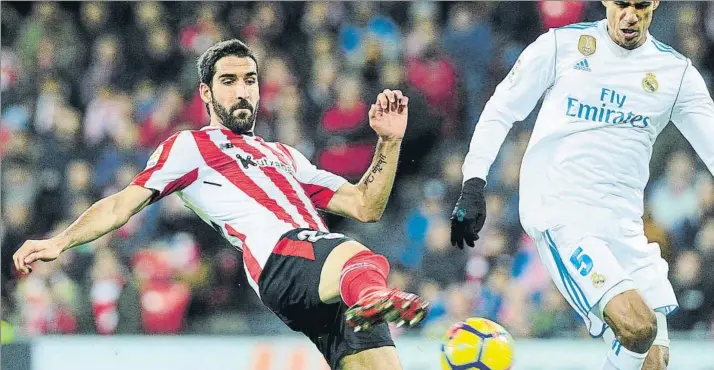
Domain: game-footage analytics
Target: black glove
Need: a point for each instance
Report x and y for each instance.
(469, 215)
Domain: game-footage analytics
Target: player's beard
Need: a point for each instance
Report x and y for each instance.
(241, 124)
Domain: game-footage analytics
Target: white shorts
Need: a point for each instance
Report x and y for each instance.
(585, 265)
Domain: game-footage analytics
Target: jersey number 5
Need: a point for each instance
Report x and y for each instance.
(581, 261)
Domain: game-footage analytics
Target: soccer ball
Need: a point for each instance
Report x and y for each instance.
(476, 344)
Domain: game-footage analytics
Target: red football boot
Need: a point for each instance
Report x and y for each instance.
(389, 305)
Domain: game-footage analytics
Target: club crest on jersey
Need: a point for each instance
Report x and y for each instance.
(246, 161)
(649, 83)
(597, 279)
(587, 45)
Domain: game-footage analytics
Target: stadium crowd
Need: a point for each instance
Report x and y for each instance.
(89, 89)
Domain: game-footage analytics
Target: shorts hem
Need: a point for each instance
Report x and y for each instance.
(668, 310)
(602, 331)
(371, 345)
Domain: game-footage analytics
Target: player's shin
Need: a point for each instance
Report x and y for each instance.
(363, 287)
(364, 273)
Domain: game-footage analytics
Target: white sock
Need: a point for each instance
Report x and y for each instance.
(662, 338)
(621, 358)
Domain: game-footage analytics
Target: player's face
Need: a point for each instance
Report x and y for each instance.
(235, 95)
(628, 21)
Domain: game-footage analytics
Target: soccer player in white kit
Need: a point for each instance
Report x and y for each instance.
(610, 88)
(263, 198)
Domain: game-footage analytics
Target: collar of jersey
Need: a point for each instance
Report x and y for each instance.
(230, 133)
(617, 49)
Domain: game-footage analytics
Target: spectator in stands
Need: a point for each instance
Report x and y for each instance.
(111, 298)
(458, 306)
(468, 39)
(347, 144)
(674, 198)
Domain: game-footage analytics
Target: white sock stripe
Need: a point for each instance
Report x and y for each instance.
(620, 358)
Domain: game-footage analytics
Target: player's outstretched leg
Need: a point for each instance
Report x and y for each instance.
(359, 277)
(635, 328)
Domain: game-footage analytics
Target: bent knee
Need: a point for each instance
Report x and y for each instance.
(639, 335)
(343, 253)
(329, 287)
(632, 321)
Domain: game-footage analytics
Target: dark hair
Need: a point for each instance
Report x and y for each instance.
(207, 61)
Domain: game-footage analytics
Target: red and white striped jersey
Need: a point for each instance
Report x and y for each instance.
(250, 190)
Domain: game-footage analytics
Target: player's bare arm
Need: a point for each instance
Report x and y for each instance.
(367, 200)
(102, 217)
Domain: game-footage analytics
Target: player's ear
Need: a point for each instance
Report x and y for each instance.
(205, 92)
(604, 3)
(655, 4)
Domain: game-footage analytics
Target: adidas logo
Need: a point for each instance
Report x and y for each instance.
(583, 65)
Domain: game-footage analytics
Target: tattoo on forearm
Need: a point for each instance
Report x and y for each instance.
(377, 168)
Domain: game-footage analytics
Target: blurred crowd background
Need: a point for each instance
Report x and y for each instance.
(89, 89)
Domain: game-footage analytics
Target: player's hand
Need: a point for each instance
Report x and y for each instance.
(36, 250)
(388, 115)
(469, 215)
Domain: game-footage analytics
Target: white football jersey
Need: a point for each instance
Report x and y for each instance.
(603, 108)
(249, 190)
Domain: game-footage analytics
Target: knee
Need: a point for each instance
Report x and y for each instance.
(638, 332)
(634, 323)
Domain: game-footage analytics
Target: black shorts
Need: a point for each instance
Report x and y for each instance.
(289, 287)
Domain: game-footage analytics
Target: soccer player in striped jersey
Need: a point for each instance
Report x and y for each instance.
(263, 198)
